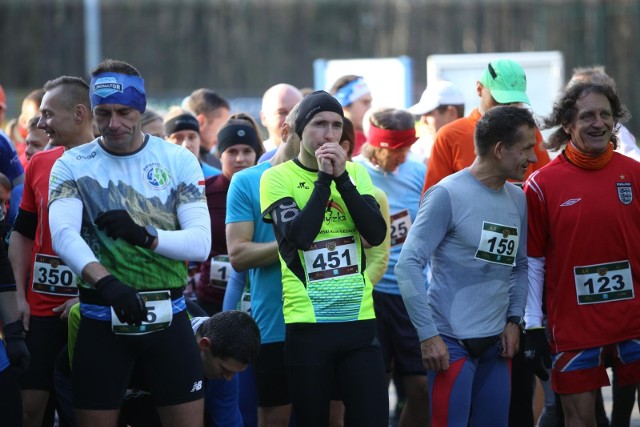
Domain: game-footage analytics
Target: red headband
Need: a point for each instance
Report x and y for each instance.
(393, 139)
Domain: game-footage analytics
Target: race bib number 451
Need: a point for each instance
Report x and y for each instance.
(603, 282)
(330, 258)
(498, 244)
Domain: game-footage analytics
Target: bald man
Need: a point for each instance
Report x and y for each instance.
(277, 102)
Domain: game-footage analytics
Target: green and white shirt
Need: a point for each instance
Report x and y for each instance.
(150, 184)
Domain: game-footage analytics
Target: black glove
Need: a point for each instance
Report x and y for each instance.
(537, 354)
(17, 350)
(126, 301)
(118, 224)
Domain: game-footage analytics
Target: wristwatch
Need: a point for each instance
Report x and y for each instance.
(152, 233)
(518, 321)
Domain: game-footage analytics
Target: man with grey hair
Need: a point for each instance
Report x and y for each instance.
(596, 74)
(588, 278)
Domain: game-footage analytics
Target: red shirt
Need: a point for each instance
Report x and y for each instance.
(586, 225)
(35, 198)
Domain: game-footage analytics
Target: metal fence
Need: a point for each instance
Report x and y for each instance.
(241, 47)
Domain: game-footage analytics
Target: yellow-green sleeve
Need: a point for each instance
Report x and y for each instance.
(378, 256)
(73, 325)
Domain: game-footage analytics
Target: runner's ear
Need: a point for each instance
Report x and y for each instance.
(497, 150)
(204, 343)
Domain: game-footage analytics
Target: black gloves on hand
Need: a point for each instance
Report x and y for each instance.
(537, 354)
(126, 301)
(118, 224)
(17, 350)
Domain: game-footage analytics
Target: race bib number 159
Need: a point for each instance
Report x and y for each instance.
(498, 244)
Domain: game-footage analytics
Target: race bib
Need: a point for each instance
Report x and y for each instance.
(220, 271)
(52, 276)
(603, 282)
(245, 302)
(331, 258)
(498, 244)
(159, 315)
(400, 223)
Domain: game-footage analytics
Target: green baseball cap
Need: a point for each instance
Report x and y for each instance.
(506, 81)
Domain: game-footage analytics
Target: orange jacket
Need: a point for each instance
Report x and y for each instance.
(453, 150)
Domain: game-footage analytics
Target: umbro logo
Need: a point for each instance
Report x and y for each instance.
(303, 185)
(571, 202)
(197, 386)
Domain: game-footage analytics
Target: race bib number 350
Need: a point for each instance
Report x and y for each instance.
(603, 282)
(330, 258)
(52, 276)
(498, 244)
